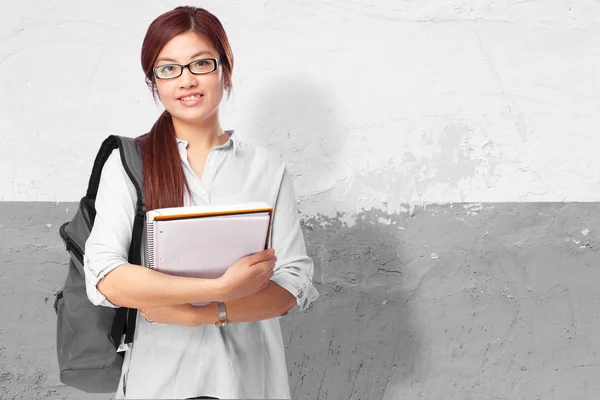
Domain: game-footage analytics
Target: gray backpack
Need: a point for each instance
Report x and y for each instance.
(87, 336)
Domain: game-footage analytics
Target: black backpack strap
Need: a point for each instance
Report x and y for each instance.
(129, 150)
(132, 163)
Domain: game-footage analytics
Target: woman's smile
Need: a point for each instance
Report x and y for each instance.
(191, 100)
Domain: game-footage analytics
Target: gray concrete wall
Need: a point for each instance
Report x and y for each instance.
(455, 301)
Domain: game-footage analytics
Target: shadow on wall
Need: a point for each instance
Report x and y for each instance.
(360, 334)
(295, 118)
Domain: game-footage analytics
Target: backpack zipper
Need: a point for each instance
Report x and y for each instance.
(71, 245)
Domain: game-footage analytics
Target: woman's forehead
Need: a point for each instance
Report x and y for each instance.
(186, 46)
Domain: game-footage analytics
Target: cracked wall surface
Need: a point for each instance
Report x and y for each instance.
(462, 301)
(444, 159)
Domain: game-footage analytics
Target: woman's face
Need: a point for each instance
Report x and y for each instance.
(203, 93)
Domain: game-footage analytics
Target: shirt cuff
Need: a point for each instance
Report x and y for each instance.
(301, 287)
(91, 282)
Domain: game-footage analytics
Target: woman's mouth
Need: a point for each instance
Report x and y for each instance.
(191, 100)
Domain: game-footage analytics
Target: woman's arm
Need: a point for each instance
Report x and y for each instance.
(273, 301)
(135, 286)
(139, 287)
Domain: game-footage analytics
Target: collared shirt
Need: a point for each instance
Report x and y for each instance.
(241, 359)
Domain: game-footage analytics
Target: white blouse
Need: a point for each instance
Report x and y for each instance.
(241, 359)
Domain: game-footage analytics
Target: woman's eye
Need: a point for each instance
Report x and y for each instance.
(166, 68)
(200, 63)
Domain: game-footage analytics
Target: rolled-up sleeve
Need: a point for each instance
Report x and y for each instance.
(294, 269)
(107, 246)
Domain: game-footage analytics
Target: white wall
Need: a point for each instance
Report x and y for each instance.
(370, 105)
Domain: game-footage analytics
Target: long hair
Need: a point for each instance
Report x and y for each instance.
(164, 180)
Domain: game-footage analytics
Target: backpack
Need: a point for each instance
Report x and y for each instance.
(87, 336)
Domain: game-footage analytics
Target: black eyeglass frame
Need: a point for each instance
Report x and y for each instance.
(216, 63)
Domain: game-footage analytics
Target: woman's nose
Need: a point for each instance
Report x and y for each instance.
(187, 79)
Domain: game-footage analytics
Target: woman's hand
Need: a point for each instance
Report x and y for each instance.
(248, 275)
(182, 314)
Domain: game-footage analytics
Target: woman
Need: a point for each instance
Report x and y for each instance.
(178, 351)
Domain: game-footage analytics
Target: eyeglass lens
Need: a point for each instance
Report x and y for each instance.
(203, 66)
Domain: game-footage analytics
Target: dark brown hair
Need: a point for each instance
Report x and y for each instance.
(164, 180)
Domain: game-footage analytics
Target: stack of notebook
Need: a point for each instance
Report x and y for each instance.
(203, 241)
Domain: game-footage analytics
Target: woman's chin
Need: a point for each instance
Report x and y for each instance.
(192, 117)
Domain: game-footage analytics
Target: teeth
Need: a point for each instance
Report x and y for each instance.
(190, 98)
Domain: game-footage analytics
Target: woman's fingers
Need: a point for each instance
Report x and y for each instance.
(261, 256)
(267, 267)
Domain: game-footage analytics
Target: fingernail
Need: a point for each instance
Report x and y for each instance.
(270, 252)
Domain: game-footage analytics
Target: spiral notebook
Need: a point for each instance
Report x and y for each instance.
(203, 241)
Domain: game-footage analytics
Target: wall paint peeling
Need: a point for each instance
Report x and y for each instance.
(444, 158)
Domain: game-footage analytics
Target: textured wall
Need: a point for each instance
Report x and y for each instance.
(443, 153)
(496, 301)
(373, 104)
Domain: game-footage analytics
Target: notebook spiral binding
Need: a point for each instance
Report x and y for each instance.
(149, 255)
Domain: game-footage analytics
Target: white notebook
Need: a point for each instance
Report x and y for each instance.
(203, 241)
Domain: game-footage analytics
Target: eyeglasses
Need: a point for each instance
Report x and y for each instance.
(197, 67)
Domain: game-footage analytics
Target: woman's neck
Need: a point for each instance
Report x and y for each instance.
(200, 136)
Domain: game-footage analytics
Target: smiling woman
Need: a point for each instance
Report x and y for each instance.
(173, 39)
(231, 348)
(196, 84)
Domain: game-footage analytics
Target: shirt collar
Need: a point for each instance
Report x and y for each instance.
(231, 143)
